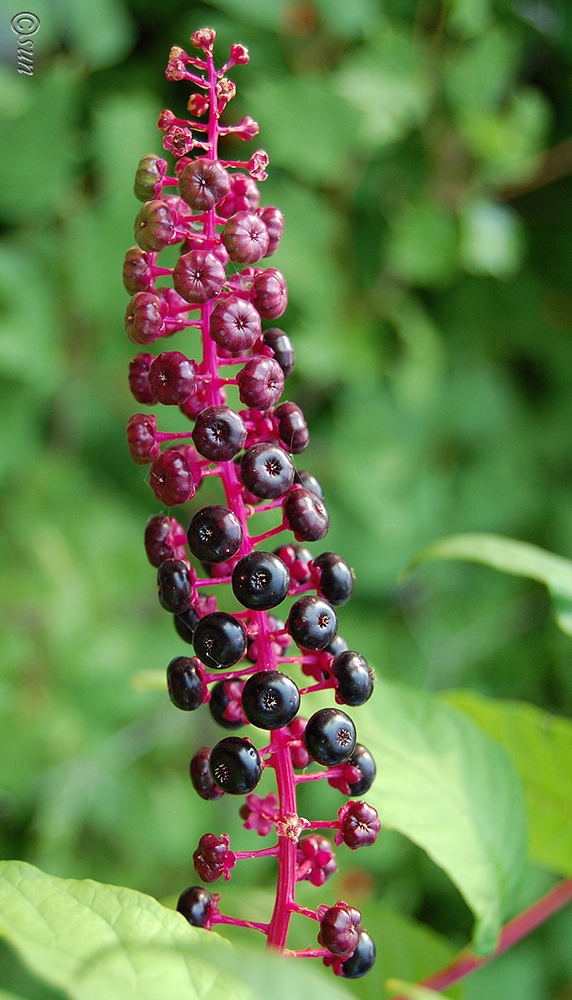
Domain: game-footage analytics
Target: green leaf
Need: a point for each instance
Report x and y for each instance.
(540, 745)
(95, 941)
(4, 995)
(516, 558)
(451, 789)
(413, 991)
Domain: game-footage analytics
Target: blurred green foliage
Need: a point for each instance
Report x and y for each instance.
(421, 151)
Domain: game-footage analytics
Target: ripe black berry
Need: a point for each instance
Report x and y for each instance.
(292, 429)
(174, 586)
(354, 683)
(187, 689)
(270, 699)
(185, 624)
(333, 578)
(215, 534)
(196, 905)
(235, 765)
(260, 581)
(305, 515)
(312, 622)
(219, 640)
(330, 737)
(201, 776)
(266, 471)
(362, 960)
(365, 764)
(219, 433)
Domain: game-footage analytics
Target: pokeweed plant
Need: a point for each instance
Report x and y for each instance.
(224, 298)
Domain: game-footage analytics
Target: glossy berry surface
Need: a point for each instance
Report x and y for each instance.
(270, 699)
(139, 379)
(329, 737)
(212, 858)
(219, 640)
(172, 378)
(171, 478)
(163, 539)
(339, 927)
(174, 586)
(305, 515)
(281, 348)
(312, 622)
(266, 471)
(245, 238)
(260, 580)
(333, 578)
(235, 324)
(354, 682)
(219, 433)
(235, 765)
(363, 761)
(215, 534)
(292, 429)
(362, 960)
(196, 904)
(185, 684)
(359, 825)
(185, 624)
(260, 383)
(201, 776)
(203, 183)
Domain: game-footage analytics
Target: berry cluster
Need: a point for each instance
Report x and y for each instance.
(220, 293)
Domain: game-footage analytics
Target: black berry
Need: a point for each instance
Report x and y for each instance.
(174, 586)
(219, 640)
(260, 581)
(215, 534)
(186, 687)
(333, 578)
(312, 622)
(305, 515)
(219, 433)
(225, 704)
(362, 960)
(354, 683)
(330, 737)
(196, 905)
(270, 699)
(235, 765)
(185, 624)
(201, 776)
(266, 471)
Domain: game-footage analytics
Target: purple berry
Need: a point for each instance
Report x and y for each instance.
(137, 275)
(292, 429)
(266, 471)
(171, 478)
(274, 221)
(219, 433)
(339, 927)
(309, 482)
(144, 322)
(141, 438)
(269, 294)
(198, 276)
(212, 858)
(235, 324)
(245, 238)
(139, 378)
(244, 196)
(164, 538)
(358, 824)
(260, 383)
(172, 378)
(201, 776)
(203, 183)
(306, 515)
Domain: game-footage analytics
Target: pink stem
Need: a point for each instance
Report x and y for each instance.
(513, 932)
